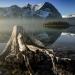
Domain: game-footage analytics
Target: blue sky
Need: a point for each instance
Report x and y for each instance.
(65, 7)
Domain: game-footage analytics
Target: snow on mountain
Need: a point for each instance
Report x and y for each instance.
(53, 12)
(45, 10)
(43, 13)
(37, 7)
(70, 34)
(69, 16)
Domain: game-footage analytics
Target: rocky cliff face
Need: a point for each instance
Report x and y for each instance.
(49, 11)
(45, 10)
(23, 56)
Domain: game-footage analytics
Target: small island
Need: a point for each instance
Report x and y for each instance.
(57, 24)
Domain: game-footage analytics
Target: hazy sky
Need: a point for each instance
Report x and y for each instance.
(65, 7)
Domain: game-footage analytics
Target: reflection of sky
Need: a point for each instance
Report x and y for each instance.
(65, 42)
(64, 6)
(66, 39)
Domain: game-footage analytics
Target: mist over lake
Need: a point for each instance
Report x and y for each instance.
(32, 25)
(28, 24)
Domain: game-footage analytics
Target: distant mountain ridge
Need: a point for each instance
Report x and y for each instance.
(69, 16)
(45, 10)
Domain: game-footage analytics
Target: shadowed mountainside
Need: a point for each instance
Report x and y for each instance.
(46, 10)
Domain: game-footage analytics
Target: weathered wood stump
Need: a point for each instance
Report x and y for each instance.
(24, 55)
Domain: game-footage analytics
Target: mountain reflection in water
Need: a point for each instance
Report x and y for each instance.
(36, 25)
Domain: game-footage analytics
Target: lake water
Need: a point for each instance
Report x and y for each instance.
(28, 24)
(65, 41)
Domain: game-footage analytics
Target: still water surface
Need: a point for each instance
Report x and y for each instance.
(65, 40)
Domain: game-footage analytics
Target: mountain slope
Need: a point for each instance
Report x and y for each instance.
(48, 10)
(45, 10)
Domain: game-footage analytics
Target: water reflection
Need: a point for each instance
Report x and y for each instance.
(45, 35)
(65, 42)
(35, 26)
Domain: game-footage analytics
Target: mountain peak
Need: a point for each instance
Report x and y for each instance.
(45, 10)
(46, 3)
(29, 5)
(49, 11)
(15, 6)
